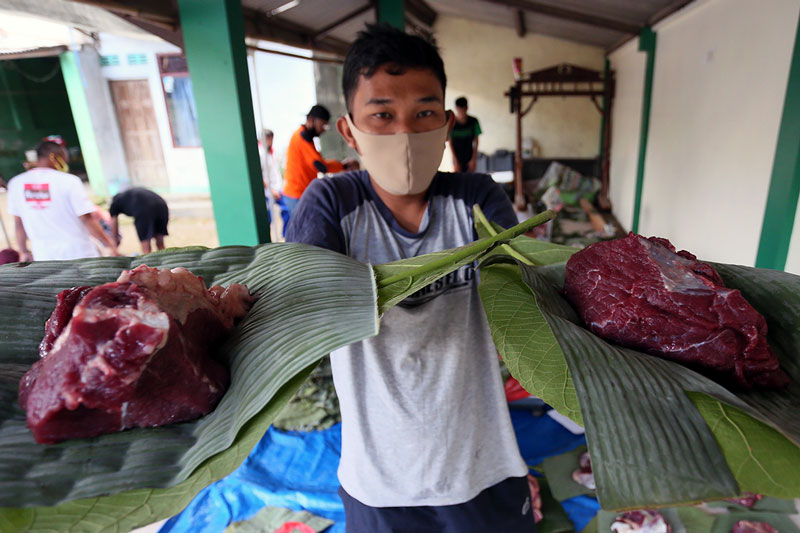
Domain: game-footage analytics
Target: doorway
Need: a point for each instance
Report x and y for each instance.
(139, 130)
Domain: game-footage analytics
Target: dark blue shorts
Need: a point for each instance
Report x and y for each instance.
(503, 507)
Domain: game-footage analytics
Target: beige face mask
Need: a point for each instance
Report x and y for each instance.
(401, 163)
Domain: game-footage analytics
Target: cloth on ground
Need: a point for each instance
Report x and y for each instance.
(298, 471)
(276, 519)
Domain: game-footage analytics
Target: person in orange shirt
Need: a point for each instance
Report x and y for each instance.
(303, 161)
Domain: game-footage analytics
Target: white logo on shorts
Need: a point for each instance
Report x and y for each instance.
(526, 506)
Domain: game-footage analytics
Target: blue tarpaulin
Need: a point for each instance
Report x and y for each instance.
(298, 470)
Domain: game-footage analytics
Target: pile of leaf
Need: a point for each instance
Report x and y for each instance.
(310, 301)
(658, 433)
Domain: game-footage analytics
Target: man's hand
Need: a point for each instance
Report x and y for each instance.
(94, 229)
(471, 164)
(536, 498)
(277, 195)
(25, 256)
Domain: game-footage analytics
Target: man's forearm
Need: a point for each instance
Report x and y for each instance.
(115, 230)
(22, 239)
(97, 232)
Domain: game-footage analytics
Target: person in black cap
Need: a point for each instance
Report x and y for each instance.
(303, 161)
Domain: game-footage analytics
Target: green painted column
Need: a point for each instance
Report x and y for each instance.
(213, 36)
(392, 12)
(76, 92)
(784, 187)
(647, 44)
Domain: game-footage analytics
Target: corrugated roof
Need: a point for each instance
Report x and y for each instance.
(604, 23)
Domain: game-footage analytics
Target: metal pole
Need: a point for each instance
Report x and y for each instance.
(520, 201)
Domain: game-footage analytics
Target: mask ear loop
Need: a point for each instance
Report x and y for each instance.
(59, 163)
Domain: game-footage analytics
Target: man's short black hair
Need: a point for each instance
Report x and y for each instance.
(461, 102)
(45, 148)
(319, 111)
(382, 44)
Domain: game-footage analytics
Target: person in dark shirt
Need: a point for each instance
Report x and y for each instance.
(150, 216)
(464, 138)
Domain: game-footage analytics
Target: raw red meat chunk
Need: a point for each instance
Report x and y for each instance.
(748, 526)
(137, 352)
(640, 293)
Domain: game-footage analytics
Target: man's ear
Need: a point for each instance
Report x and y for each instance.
(344, 130)
(451, 121)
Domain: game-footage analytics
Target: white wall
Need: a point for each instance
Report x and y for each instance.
(478, 62)
(186, 167)
(629, 66)
(287, 91)
(793, 259)
(721, 70)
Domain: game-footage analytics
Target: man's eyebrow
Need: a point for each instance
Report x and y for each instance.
(428, 99)
(379, 101)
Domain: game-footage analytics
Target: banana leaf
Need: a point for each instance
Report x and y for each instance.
(559, 468)
(658, 433)
(554, 517)
(311, 301)
(781, 522)
(605, 519)
(290, 327)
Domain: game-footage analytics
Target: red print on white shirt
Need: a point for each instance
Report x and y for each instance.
(38, 194)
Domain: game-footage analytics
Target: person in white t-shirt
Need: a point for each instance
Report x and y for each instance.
(52, 210)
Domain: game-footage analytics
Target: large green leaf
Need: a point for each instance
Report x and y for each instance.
(398, 279)
(311, 301)
(754, 450)
(649, 443)
(122, 512)
(524, 339)
(524, 249)
(290, 327)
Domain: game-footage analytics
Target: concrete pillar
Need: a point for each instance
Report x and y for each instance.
(392, 12)
(95, 120)
(328, 83)
(213, 36)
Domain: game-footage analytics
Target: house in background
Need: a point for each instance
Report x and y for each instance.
(122, 99)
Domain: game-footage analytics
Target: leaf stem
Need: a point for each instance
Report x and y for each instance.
(478, 212)
(474, 248)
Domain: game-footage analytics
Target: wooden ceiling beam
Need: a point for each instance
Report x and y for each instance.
(568, 14)
(161, 18)
(173, 36)
(660, 15)
(519, 20)
(667, 10)
(335, 24)
(422, 11)
(259, 26)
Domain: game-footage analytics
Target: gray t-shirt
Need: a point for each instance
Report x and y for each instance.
(424, 416)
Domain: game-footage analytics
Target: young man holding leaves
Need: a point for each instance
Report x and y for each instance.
(427, 442)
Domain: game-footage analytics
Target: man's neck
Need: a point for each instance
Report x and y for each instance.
(407, 209)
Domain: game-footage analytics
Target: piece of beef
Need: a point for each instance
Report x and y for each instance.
(584, 475)
(748, 499)
(749, 526)
(65, 305)
(9, 255)
(640, 293)
(137, 352)
(641, 521)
